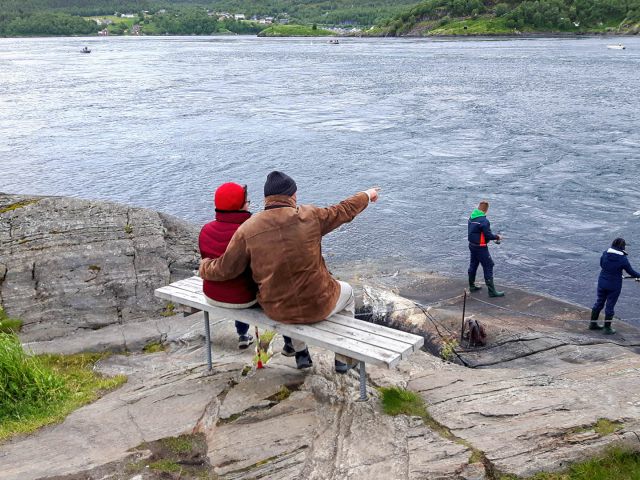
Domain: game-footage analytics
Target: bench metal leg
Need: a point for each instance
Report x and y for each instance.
(207, 333)
(363, 383)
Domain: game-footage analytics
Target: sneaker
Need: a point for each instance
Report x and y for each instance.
(342, 367)
(303, 359)
(244, 341)
(288, 350)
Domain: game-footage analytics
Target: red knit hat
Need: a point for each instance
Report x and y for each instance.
(230, 196)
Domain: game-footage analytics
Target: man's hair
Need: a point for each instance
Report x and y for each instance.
(483, 205)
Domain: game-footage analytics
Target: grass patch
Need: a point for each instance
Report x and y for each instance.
(9, 325)
(182, 444)
(39, 390)
(169, 310)
(165, 466)
(294, 31)
(616, 463)
(154, 347)
(128, 229)
(17, 205)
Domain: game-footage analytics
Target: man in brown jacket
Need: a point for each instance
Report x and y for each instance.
(282, 246)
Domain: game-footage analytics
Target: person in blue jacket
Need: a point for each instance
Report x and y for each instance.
(479, 236)
(613, 262)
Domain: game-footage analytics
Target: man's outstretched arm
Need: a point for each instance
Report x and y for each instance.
(334, 216)
(230, 265)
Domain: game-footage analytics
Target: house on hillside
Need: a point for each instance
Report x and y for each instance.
(239, 16)
(103, 33)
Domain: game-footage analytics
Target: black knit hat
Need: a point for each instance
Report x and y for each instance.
(619, 244)
(279, 183)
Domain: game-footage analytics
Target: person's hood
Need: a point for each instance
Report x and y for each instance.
(477, 213)
(617, 252)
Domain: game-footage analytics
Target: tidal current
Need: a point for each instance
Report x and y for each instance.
(546, 129)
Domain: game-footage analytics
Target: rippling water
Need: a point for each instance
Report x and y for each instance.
(547, 129)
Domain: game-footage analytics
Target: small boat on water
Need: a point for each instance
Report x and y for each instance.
(85, 50)
(619, 46)
(333, 41)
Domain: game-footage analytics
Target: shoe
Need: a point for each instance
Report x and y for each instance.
(492, 289)
(303, 359)
(593, 325)
(472, 283)
(288, 350)
(244, 341)
(342, 367)
(607, 325)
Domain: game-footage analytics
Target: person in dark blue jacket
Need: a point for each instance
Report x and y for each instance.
(479, 236)
(613, 262)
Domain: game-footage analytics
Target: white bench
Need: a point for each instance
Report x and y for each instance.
(360, 340)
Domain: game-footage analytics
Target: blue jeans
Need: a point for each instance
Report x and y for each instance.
(610, 297)
(481, 256)
(242, 328)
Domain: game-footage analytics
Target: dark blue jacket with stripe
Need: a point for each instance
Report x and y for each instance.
(613, 263)
(480, 229)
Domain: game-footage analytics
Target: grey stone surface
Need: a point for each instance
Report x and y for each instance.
(70, 264)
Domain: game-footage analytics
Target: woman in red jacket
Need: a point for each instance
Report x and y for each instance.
(232, 210)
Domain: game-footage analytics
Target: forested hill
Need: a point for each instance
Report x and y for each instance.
(321, 12)
(477, 17)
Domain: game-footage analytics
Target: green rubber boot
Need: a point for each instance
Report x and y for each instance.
(594, 320)
(492, 289)
(607, 325)
(472, 283)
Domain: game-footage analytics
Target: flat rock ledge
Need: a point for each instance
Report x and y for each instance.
(522, 420)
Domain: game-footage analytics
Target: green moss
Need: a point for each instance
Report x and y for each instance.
(281, 395)
(17, 205)
(128, 229)
(154, 347)
(44, 389)
(294, 31)
(602, 427)
(169, 310)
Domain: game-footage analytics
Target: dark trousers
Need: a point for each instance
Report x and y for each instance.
(608, 296)
(481, 256)
(241, 328)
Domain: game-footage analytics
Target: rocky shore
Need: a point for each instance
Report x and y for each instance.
(81, 275)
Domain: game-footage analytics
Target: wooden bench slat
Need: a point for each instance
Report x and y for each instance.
(416, 341)
(380, 336)
(402, 349)
(307, 333)
(194, 284)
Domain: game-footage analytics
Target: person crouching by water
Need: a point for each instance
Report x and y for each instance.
(283, 247)
(232, 210)
(613, 262)
(479, 235)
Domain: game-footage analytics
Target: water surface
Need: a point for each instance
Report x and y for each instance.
(546, 129)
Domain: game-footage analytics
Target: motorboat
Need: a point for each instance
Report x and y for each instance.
(85, 50)
(333, 41)
(619, 46)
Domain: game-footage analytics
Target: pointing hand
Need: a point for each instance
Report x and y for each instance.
(373, 194)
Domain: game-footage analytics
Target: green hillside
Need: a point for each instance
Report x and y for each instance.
(64, 17)
(478, 17)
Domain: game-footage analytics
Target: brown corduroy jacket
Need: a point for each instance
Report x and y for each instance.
(282, 245)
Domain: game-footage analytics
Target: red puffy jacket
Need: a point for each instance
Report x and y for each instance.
(213, 241)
